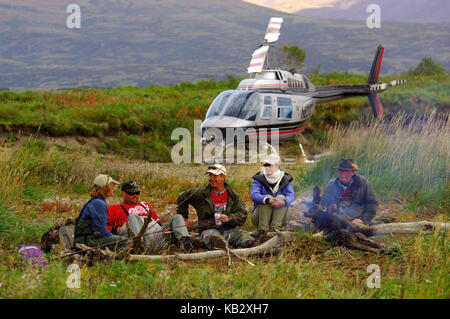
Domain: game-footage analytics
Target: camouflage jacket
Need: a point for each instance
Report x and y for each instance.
(200, 198)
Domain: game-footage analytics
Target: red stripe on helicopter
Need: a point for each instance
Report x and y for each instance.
(379, 63)
(244, 85)
(284, 132)
(255, 64)
(380, 110)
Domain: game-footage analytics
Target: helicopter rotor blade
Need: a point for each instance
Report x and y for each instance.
(273, 30)
(258, 58)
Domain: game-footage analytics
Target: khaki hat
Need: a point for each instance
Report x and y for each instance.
(102, 180)
(272, 159)
(217, 169)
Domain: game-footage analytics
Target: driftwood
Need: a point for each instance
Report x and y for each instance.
(409, 228)
(272, 246)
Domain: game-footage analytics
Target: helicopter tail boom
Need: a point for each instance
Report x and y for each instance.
(330, 93)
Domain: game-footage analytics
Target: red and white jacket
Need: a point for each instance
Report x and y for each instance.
(118, 214)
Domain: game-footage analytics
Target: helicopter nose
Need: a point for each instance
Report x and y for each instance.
(225, 122)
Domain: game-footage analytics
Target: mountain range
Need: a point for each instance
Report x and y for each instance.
(141, 42)
(415, 11)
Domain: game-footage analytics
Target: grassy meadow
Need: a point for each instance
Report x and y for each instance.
(54, 143)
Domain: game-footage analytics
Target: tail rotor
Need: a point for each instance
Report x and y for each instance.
(373, 79)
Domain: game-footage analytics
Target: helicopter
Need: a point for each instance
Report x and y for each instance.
(274, 101)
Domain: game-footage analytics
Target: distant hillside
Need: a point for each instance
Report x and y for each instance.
(140, 42)
(417, 11)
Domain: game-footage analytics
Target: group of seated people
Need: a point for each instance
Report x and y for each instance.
(220, 210)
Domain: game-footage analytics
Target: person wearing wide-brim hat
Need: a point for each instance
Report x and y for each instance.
(90, 226)
(352, 193)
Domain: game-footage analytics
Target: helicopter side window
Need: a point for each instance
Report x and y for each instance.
(284, 107)
(267, 111)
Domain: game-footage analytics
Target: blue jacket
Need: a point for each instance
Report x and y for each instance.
(96, 210)
(260, 188)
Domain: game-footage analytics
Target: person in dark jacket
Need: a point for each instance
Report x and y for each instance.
(272, 193)
(90, 226)
(220, 212)
(352, 194)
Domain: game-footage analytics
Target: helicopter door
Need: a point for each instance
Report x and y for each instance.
(285, 108)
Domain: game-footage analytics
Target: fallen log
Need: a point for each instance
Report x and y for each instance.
(408, 228)
(272, 246)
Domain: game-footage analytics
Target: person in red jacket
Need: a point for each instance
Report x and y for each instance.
(133, 212)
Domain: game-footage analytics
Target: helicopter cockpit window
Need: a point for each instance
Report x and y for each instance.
(218, 104)
(243, 105)
(267, 112)
(284, 107)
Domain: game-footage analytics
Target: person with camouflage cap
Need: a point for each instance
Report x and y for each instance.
(352, 194)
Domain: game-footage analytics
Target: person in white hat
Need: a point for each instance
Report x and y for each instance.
(272, 193)
(90, 226)
(220, 210)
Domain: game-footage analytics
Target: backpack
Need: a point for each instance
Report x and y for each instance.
(32, 255)
(52, 236)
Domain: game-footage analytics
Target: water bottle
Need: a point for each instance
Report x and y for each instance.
(217, 217)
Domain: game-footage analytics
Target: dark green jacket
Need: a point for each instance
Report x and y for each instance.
(200, 198)
(364, 202)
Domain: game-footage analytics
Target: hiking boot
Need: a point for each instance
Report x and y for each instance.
(259, 233)
(196, 243)
(261, 238)
(217, 242)
(249, 243)
(186, 244)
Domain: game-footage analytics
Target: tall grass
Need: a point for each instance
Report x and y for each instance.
(406, 155)
(427, 272)
(13, 173)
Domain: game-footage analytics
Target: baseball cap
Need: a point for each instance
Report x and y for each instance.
(272, 159)
(102, 180)
(130, 186)
(217, 169)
